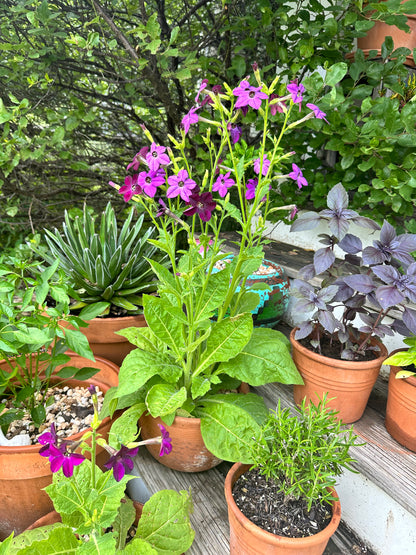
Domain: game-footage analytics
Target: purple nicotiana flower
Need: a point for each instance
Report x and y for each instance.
(150, 181)
(235, 132)
(296, 92)
(201, 88)
(156, 157)
(139, 157)
(59, 457)
(251, 188)
(130, 187)
(278, 107)
(297, 175)
(180, 185)
(319, 114)
(122, 462)
(202, 204)
(293, 213)
(166, 445)
(265, 168)
(223, 183)
(247, 95)
(46, 440)
(189, 118)
(216, 89)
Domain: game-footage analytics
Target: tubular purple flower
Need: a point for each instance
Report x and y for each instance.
(201, 88)
(180, 185)
(202, 204)
(60, 458)
(265, 168)
(278, 106)
(166, 444)
(223, 183)
(251, 188)
(319, 114)
(139, 157)
(157, 157)
(130, 187)
(293, 213)
(235, 132)
(122, 462)
(296, 92)
(150, 181)
(248, 95)
(191, 117)
(297, 175)
(46, 440)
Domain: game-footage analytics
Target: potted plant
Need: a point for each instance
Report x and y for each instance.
(96, 516)
(187, 365)
(401, 398)
(33, 345)
(334, 352)
(284, 500)
(107, 271)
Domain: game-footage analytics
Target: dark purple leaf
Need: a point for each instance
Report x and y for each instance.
(323, 259)
(366, 222)
(352, 259)
(372, 255)
(307, 272)
(337, 198)
(343, 335)
(327, 293)
(304, 305)
(407, 242)
(308, 220)
(326, 239)
(327, 320)
(382, 330)
(409, 319)
(351, 244)
(388, 274)
(360, 282)
(355, 301)
(348, 354)
(304, 288)
(399, 327)
(371, 298)
(388, 296)
(369, 319)
(339, 226)
(387, 233)
(305, 329)
(344, 291)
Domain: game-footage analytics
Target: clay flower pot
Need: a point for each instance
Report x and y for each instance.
(103, 340)
(248, 539)
(189, 453)
(401, 409)
(24, 473)
(347, 383)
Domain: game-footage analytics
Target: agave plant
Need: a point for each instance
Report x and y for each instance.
(106, 267)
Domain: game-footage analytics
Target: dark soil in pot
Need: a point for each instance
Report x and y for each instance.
(262, 503)
(332, 349)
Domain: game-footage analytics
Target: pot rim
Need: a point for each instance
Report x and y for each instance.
(340, 363)
(328, 531)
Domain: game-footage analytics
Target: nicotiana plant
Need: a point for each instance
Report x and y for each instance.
(303, 452)
(368, 283)
(185, 357)
(406, 359)
(96, 515)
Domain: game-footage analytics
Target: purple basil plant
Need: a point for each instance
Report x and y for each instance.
(369, 283)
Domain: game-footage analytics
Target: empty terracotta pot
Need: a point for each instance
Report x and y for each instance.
(248, 539)
(348, 384)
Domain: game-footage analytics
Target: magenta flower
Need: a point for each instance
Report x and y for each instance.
(201, 88)
(122, 462)
(216, 89)
(166, 445)
(60, 458)
(139, 157)
(319, 114)
(248, 95)
(223, 183)
(278, 107)
(235, 132)
(296, 91)
(157, 157)
(46, 440)
(130, 187)
(293, 213)
(180, 185)
(202, 249)
(191, 117)
(202, 204)
(297, 175)
(265, 168)
(251, 188)
(150, 181)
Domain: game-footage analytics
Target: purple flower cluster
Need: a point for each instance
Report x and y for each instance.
(58, 454)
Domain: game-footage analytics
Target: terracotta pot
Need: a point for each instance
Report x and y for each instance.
(348, 383)
(248, 539)
(401, 408)
(189, 453)
(24, 473)
(53, 517)
(377, 35)
(105, 343)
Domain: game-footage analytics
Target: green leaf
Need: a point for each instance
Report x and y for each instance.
(164, 399)
(93, 310)
(264, 359)
(139, 546)
(143, 338)
(78, 342)
(52, 539)
(160, 321)
(214, 294)
(165, 523)
(227, 339)
(250, 402)
(335, 73)
(124, 430)
(228, 431)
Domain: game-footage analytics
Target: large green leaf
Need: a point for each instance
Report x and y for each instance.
(264, 359)
(124, 430)
(165, 522)
(162, 322)
(143, 338)
(138, 546)
(250, 402)
(164, 399)
(78, 342)
(139, 366)
(228, 430)
(46, 540)
(227, 339)
(214, 294)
